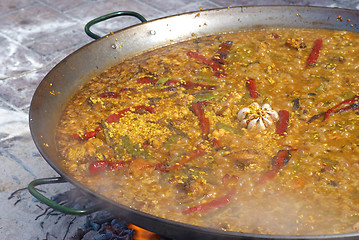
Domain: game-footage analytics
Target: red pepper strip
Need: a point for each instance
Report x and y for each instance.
(97, 167)
(91, 134)
(76, 136)
(216, 67)
(214, 204)
(88, 135)
(281, 159)
(313, 56)
(220, 74)
(222, 52)
(109, 95)
(348, 101)
(117, 116)
(251, 85)
(203, 121)
(145, 144)
(216, 142)
(114, 118)
(101, 166)
(315, 117)
(147, 80)
(278, 162)
(354, 106)
(185, 84)
(225, 47)
(114, 94)
(226, 179)
(283, 122)
(189, 157)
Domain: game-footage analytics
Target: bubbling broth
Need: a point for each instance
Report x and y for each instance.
(252, 131)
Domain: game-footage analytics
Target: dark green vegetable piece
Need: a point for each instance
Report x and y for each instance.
(171, 140)
(229, 128)
(134, 150)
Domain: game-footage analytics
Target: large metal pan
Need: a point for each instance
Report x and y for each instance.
(60, 83)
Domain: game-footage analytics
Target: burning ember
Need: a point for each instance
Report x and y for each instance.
(103, 229)
(112, 228)
(101, 225)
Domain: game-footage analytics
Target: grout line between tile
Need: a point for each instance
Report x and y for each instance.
(51, 7)
(216, 4)
(4, 102)
(48, 63)
(13, 107)
(151, 6)
(18, 10)
(20, 162)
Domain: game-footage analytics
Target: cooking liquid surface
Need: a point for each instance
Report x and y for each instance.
(196, 132)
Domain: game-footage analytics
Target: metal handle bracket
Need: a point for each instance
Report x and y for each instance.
(108, 16)
(54, 205)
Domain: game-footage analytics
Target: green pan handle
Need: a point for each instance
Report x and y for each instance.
(53, 204)
(108, 16)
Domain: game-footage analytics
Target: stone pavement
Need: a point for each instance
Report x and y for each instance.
(34, 36)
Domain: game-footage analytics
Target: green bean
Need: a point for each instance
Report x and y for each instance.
(161, 82)
(171, 140)
(348, 95)
(329, 162)
(206, 97)
(229, 128)
(321, 87)
(134, 150)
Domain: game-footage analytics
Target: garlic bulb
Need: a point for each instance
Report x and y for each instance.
(255, 117)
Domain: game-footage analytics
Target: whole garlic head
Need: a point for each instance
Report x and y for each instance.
(255, 117)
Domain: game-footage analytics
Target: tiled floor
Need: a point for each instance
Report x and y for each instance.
(34, 36)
